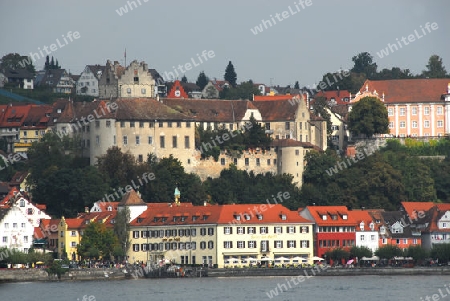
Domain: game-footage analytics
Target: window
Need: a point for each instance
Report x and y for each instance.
(5, 239)
(391, 125)
(287, 126)
(227, 244)
(251, 244)
(210, 244)
(290, 229)
(169, 124)
(161, 124)
(125, 140)
(263, 230)
(122, 124)
(402, 111)
(135, 234)
(240, 230)
(267, 126)
(25, 239)
(304, 243)
(162, 142)
(414, 111)
(222, 161)
(390, 112)
(264, 245)
(203, 231)
(414, 124)
(131, 124)
(22, 203)
(291, 243)
(268, 161)
(73, 233)
(138, 140)
(97, 123)
(136, 247)
(22, 225)
(440, 124)
(227, 230)
(30, 211)
(426, 124)
(14, 225)
(402, 124)
(251, 230)
(278, 244)
(246, 161)
(426, 110)
(372, 237)
(186, 142)
(108, 123)
(362, 237)
(143, 91)
(203, 245)
(210, 231)
(150, 140)
(241, 244)
(277, 230)
(140, 158)
(235, 161)
(151, 124)
(258, 162)
(174, 142)
(439, 110)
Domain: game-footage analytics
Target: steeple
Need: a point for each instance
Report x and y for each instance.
(177, 196)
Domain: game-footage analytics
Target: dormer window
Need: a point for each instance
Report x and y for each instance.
(113, 221)
(247, 217)
(205, 217)
(361, 226)
(382, 230)
(164, 219)
(237, 217)
(87, 222)
(109, 208)
(194, 218)
(324, 217)
(174, 218)
(377, 221)
(344, 216)
(283, 217)
(155, 219)
(371, 226)
(260, 217)
(334, 217)
(183, 218)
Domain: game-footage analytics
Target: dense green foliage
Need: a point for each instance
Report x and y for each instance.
(388, 252)
(246, 90)
(380, 179)
(368, 116)
(230, 75)
(211, 142)
(202, 80)
(97, 242)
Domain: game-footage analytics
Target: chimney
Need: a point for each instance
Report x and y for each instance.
(205, 203)
(86, 209)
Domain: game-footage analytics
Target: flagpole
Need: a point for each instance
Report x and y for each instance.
(125, 54)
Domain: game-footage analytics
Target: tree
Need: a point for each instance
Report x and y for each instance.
(97, 241)
(418, 253)
(184, 79)
(363, 63)
(202, 80)
(388, 252)
(368, 116)
(17, 61)
(337, 255)
(50, 65)
(394, 73)
(435, 68)
(246, 90)
(230, 75)
(118, 168)
(296, 85)
(255, 136)
(121, 230)
(56, 269)
(360, 252)
(441, 252)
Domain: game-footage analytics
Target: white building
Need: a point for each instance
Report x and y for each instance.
(366, 233)
(15, 230)
(87, 84)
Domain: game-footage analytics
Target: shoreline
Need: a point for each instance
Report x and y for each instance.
(38, 275)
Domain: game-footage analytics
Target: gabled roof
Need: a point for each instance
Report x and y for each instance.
(210, 110)
(337, 95)
(177, 91)
(275, 214)
(18, 73)
(131, 198)
(147, 109)
(97, 70)
(277, 110)
(408, 90)
(361, 216)
(329, 211)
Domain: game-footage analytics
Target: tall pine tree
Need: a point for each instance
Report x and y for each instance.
(230, 75)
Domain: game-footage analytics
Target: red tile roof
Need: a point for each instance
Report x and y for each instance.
(177, 87)
(408, 90)
(338, 96)
(339, 211)
(361, 216)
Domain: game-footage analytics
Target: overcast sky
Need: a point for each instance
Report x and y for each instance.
(307, 43)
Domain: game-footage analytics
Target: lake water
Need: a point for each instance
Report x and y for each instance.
(342, 288)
